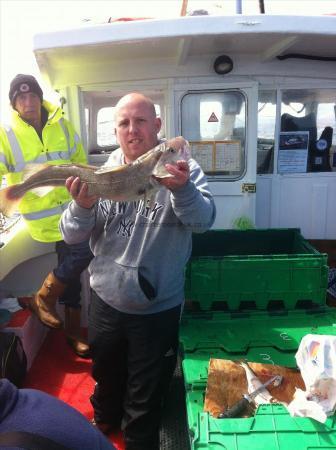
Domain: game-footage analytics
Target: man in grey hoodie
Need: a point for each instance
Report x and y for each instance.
(137, 278)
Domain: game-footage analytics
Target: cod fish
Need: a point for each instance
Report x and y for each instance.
(123, 183)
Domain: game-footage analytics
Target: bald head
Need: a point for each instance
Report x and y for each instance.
(136, 98)
(136, 125)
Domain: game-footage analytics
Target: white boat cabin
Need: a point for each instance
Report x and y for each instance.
(261, 122)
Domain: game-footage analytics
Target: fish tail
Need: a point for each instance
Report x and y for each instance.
(9, 200)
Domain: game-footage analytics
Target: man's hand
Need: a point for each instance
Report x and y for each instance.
(181, 175)
(79, 192)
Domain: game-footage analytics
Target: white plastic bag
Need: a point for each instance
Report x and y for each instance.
(316, 359)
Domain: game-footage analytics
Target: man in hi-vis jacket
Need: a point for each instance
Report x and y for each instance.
(39, 134)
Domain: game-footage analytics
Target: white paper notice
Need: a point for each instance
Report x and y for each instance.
(293, 152)
(228, 156)
(203, 154)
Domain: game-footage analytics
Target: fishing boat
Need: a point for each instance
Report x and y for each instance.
(256, 98)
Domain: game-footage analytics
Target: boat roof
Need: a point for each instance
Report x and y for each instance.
(181, 38)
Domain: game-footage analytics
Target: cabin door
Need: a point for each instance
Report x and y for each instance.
(221, 126)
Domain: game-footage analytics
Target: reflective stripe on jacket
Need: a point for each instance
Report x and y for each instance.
(20, 145)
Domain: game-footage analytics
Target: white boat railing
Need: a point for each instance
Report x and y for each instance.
(7, 223)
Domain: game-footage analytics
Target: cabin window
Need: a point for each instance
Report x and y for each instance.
(105, 127)
(215, 125)
(307, 131)
(266, 131)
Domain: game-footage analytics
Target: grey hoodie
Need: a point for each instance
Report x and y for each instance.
(140, 251)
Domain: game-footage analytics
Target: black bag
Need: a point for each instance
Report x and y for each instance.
(13, 360)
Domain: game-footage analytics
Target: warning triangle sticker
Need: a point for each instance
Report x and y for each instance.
(213, 118)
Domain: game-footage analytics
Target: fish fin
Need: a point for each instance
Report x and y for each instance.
(9, 200)
(31, 169)
(42, 191)
(102, 170)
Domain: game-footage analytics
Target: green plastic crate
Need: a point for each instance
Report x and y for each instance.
(236, 333)
(258, 336)
(272, 428)
(252, 289)
(255, 269)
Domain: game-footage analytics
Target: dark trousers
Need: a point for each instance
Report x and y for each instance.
(72, 260)
(134, 358)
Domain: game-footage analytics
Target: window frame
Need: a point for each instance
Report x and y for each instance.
(221, 175)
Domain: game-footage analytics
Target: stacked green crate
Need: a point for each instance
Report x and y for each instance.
(260, 336)
(256, 269)
(254, 294)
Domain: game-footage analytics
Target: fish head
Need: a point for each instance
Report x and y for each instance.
(173, 150)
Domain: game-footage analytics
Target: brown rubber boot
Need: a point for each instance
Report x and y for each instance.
(73, 332)
(43, 303)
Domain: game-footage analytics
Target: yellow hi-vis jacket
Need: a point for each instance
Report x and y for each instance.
(20, 145)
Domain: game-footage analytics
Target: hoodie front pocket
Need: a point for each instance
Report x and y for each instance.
(120, 285)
